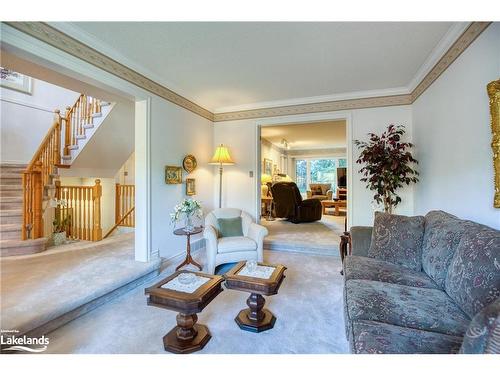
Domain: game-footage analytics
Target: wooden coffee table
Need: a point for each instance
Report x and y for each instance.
(333, 203)
(256, 318)
(187, 300)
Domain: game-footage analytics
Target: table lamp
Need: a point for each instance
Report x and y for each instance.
(221, 157)
(267, 180)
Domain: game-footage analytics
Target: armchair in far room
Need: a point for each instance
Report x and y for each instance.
(320, 191)
(232, 236)
(288, 203)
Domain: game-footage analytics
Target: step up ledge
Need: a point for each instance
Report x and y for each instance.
(10, 248)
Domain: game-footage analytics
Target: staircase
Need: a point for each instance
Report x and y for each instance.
(27, 189)
(11, 214)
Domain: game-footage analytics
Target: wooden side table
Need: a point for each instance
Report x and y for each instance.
(189, 259)
(256, 318)
(187, 336)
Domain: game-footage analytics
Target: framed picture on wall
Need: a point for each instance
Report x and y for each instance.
(190, 186)
(267, 168)
(173, 175)
(15, 81)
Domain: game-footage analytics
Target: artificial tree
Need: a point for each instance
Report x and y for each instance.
(388, 165)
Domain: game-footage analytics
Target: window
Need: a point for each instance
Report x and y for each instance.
(317, 171)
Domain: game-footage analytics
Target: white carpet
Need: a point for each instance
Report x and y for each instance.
(319, 237)
(308, 308)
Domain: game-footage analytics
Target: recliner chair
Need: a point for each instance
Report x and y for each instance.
(288, 203)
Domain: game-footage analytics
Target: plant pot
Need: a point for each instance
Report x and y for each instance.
(59, 238)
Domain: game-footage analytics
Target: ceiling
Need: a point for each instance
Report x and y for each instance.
(228, 64)
(310, 136)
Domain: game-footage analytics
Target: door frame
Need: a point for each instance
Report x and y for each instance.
(302, 119)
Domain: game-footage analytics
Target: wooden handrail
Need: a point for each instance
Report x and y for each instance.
(119, 222)
(43, 166)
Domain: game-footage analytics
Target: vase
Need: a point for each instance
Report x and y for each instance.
(188, 224)
(59, 238)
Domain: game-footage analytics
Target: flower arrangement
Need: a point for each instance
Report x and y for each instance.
(387, 165)
(59, 225)
(187, 209)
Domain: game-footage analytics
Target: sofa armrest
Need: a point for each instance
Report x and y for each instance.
(312, 202)
(309, 194)
(210, 236)
(329, 194)
(361, 238)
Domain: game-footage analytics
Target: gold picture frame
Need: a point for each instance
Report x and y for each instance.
(494, 94)
(190, 186)
(267, 168)
(173, 175)
(189, 163)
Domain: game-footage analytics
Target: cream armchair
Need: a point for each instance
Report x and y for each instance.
(222, 250)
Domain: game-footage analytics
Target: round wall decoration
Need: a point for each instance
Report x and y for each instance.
(189, 163)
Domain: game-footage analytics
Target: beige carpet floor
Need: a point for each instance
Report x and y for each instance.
(38, 288)
(319, 237)
(308, 308)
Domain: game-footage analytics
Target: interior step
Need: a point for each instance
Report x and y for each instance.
(10, 203)
(19, 247)
(12, 168)
(11, 178)
(10, 231)
(11, 190)
(11, 216)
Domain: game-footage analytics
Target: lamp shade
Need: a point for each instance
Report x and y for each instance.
(221, 156)
(265, 178)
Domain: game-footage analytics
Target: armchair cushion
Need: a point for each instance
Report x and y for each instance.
(235, 243)
(230, 227)
(398, 239)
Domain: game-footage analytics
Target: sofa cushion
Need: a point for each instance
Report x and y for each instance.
(231, 244)
(368, 337)
(398, 239)
(406, 306)
(483, 334)
(320, 197)
(230, 227)
(473, 278)
(364, 268)
(441, 237)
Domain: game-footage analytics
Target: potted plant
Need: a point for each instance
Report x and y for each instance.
(388, 165)
(187, 209)
(59, 224)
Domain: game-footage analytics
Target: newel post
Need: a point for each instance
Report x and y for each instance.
(57, 143)
(37, 231)
(96, 197)
(67, 131)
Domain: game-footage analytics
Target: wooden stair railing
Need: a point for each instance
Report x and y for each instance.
(78, 118)
(43, 166)
(83, 207)
(129, 213)
(124, 201)
(37, 175)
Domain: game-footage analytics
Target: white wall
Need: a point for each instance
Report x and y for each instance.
(453, 136)
(269, 151)
(175, 133)
(240, 136)
(129, 168)
(23, 114)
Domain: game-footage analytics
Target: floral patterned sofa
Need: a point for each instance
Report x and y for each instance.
(423, 285)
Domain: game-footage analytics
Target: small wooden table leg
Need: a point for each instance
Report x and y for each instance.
(255, 318)
(187, 336)
(189, 259)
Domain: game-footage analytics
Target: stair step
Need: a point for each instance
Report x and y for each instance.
(72, 147)
(97, 114)
(11, 216)
(66, 157)
(11, 190)
(20, 247)
(10, 231)
(10, 203)
(105, 104)
(9, 175)
(81, 136)
(88, 126)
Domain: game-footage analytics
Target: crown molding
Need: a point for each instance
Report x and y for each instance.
(316, 99)
(383, 101)
(68, 44)
(457, 48)
(437, 62)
